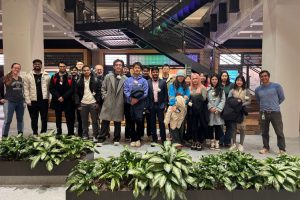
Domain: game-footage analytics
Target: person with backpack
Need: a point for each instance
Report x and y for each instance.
(62, 89)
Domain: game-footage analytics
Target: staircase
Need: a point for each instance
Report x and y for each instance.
(141, 24)
(129, 32)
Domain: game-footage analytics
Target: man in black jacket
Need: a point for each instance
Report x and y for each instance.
(62, 89)
(75, 77)
(157, 102)
(88, 98)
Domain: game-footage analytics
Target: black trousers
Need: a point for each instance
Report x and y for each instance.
(127, 120)
(147, 116)
(79, 120)
(36, 108)
(198, 131)
(217, 129)
(159, 113)
(105, 129)
(137, 129)
(69, 111)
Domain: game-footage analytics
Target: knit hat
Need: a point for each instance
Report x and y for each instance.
(180, 73)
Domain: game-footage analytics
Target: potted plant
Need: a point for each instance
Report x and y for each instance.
(20, 156)
(170, 174)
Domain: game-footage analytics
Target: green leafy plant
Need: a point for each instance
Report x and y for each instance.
(103, 174)
(53, 150)
(85, 176)
(167, 172)
(281, 172)
(232, 170)
(16, 148)
(47, 147)
(170, 172)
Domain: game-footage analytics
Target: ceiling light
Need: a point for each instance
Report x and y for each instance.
(65, 33)
(251, 26)
(53, 25)
(251, 20)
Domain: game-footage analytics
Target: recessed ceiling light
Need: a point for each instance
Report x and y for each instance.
(251, 26)
(65, 33)
(251, 19)
(53, 25)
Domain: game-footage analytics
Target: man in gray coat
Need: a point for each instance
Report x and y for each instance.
(113, 102)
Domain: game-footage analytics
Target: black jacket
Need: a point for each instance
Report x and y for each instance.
(95, 87)
(65, 90)
(162, 95)
(233, 110)
(199, 109)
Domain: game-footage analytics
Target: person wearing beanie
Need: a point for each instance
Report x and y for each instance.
(178, 88)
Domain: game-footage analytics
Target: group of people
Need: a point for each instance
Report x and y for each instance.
(194, 108)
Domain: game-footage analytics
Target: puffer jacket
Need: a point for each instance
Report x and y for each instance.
(176, 118)
(30, 86)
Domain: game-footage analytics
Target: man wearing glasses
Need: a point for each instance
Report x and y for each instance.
(269, 96)
(36, 92)
(62, 89)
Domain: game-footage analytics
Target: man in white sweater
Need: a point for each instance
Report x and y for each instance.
(36, 92)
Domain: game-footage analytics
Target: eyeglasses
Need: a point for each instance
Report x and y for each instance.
(264, 76)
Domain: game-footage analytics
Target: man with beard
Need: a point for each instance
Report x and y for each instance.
(75, 77)
(157, 102)
(36, 92)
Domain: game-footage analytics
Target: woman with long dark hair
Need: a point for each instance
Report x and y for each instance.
(216, 103)
(197, 112)
(178, 88)
(226, 85)
(242, 94)
(14, 98)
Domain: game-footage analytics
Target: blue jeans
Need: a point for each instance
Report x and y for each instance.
(9, 113)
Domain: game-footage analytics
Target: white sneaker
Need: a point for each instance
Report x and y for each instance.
(132, 144)
(217, 145)
(95, 140)
(233, 147)
(116, 143)
(99, 144)
(240, 148)
(212, 144)
(138, 143)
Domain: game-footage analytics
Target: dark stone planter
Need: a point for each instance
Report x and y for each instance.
(20, 172)
(22, 168)
(193, 195)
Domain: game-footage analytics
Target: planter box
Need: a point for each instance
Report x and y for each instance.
(20, 173)
(193, 195)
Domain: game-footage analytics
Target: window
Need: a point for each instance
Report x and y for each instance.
(110, 58)
(230, 59)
